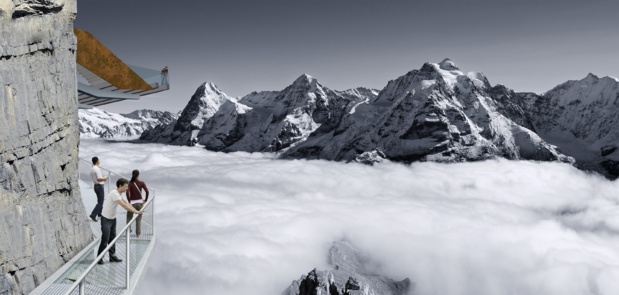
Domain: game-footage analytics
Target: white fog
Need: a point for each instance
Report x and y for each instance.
(244, 223)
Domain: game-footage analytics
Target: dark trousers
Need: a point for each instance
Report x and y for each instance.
(100, 195)
(108, 234)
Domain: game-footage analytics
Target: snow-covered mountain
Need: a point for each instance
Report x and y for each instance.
(436, 113)
(582, 117)
(99, 123)
(260, 121)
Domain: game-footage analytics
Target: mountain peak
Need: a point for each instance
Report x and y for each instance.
(594, 79)
(210, 87)
(303, 79)
(591, 76)
(448, 65)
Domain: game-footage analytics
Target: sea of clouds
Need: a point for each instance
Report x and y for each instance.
(243, 223)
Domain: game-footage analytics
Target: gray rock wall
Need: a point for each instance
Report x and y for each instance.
(42, 218)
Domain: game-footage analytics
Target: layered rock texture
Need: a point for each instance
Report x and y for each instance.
(42, 218)
(353, 273)
(97, 123)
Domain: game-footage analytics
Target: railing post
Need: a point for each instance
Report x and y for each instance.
(82, 288)
(152, 209)
(108, 181)
(128, 259)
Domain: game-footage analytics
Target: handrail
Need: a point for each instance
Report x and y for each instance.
(108, 183)
(80, 281)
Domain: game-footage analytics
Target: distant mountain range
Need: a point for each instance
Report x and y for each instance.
(436, 113)
(99, 123)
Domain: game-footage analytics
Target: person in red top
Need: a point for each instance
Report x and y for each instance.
(134, 196)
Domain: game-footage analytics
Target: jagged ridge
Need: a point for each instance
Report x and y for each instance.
(436, 113)
(98, 123)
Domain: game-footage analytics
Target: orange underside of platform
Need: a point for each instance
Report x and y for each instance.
(97, 58)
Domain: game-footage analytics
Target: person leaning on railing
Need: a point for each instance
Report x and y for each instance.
(134, 196)
(108, 218)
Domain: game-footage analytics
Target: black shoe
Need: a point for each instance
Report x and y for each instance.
(113, 258)
(94, 218)
(100, 261)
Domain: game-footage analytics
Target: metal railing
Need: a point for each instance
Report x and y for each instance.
(103, 278)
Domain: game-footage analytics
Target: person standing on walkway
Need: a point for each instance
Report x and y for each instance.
(97, 180)
(134, 196)
(164, 76)
(108, 218)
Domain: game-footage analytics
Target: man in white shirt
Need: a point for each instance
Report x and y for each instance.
(97, 181)
(108, 218)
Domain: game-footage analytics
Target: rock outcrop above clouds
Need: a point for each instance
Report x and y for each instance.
(353, 273)
(42, 218)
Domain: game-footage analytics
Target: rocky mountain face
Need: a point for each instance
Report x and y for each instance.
(267, 121)
(98, 123)
(353, 273)
(581, 117)
(436, 113)
(42, 218)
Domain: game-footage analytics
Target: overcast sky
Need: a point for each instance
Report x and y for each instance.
(240, 223)
(252, 45)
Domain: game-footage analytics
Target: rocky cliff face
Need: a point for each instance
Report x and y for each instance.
(42, 219)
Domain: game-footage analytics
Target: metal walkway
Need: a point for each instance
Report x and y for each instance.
(82, 275)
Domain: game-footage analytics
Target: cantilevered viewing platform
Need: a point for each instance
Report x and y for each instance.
(82, 274)
(107, 79)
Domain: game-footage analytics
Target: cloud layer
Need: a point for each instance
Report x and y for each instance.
(250, 224)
